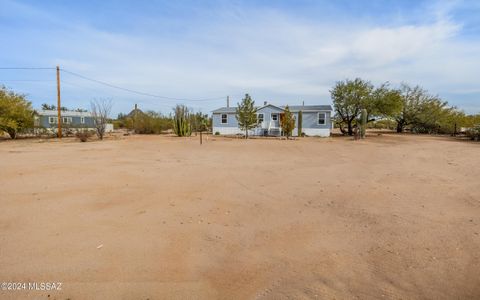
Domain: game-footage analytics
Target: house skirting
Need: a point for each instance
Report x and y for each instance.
(322, 132)
(231, 131)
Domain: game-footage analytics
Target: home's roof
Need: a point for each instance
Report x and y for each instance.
(65, 113)
(293, 108)
(225, 110)
(308, 107)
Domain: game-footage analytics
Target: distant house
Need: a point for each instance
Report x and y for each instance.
(48, 119)
(316, 120)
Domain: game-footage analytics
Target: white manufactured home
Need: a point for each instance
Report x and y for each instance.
(316, 120)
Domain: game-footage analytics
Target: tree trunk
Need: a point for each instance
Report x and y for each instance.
(12, 134)
(246, 133)
(399, 127)
(342, 130)
(350, 128)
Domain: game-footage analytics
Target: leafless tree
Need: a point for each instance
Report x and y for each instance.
(100, 111)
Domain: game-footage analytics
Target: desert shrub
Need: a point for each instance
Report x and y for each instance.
(474, 133)
(217, 133)
(152, 123)
(382, 124)
(149, 122)
(83, 136)
(200, 122)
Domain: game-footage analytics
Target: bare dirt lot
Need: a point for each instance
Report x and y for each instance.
(151, 217)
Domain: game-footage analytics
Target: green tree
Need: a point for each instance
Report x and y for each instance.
(423, 112)
(413, 98)
(349, 98)
(287, 122)
(16, 112)
(246, 114)
(434, 116)
(384, 102)
(46, 106)
(470, 121)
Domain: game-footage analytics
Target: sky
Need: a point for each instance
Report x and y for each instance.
(198, 52)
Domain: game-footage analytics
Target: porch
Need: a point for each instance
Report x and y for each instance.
(269, 127)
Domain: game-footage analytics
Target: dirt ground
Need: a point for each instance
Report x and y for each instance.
(155, 217)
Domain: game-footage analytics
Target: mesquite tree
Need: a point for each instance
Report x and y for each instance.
(349, 97)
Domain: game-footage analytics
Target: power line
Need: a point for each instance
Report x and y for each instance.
(27, 80)
(107, 84)
(135, 91)
(25, 68)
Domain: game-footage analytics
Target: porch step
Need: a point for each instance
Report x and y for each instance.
(274, 131)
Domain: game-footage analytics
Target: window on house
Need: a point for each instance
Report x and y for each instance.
(275, 117)
(260, 118)
(82, 120)
(67, 120)
(224, 118)
(321, 118)
(52, 120)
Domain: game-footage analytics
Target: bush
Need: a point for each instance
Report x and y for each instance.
(382, 124)
(144, 123)
(83, 136)
(152, 123)
(217, 133)
(16, 112)
(474, 133)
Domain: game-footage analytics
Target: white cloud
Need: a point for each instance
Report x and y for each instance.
(270, 54)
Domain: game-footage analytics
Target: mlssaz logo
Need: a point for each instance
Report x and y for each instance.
(45, 286)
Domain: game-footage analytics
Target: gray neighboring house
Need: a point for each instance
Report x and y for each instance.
(74, 120)
(70, 119)
(316, 120)
(48, 119)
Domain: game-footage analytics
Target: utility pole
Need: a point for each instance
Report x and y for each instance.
(228, 101)
(59, 105)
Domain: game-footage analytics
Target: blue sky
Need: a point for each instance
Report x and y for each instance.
(284, 52)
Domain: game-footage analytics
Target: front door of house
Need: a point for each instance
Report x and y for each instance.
(275, 120)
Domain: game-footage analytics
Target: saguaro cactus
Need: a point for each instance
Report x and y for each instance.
(363, 123)
(300, 121)
(181, 123)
